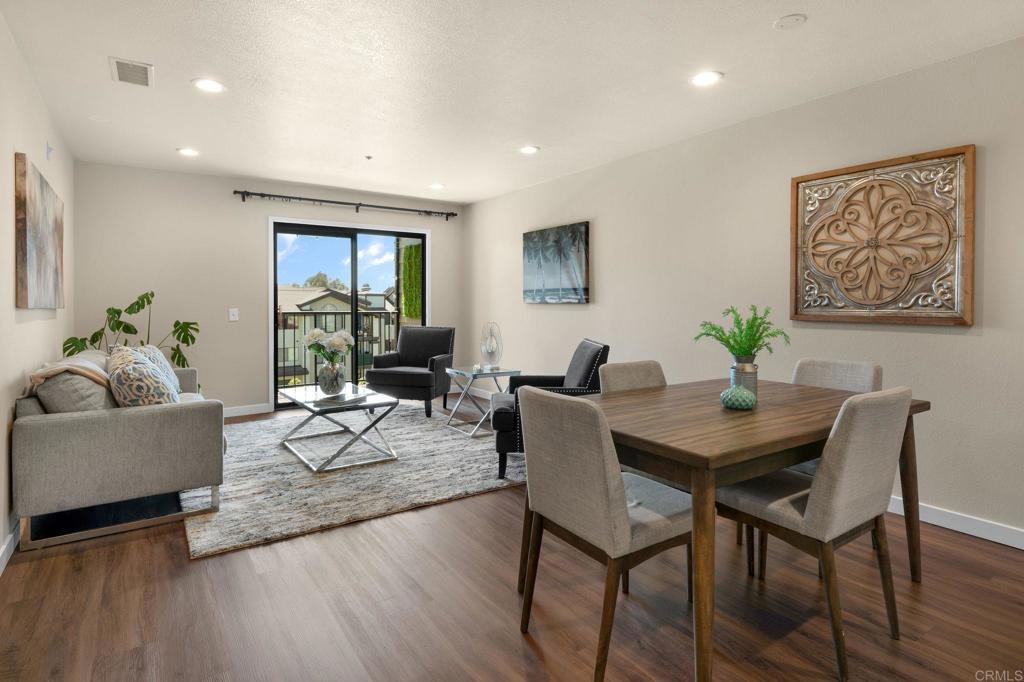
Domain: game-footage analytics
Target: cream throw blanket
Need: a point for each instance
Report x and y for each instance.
(79, 366)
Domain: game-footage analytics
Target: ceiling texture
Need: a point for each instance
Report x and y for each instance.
(447, 90)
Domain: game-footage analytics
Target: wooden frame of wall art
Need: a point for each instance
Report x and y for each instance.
(888, 242)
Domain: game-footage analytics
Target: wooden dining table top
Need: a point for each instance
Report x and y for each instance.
(687, 423)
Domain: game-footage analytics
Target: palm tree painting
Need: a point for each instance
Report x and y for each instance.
(556, 264)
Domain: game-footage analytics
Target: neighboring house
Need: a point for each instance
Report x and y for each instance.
(294, 363)
(291, 299)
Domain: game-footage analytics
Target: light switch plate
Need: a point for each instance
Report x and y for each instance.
(232, 314)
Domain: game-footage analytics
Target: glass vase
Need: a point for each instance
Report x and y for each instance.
(744, 373)
(331, 378)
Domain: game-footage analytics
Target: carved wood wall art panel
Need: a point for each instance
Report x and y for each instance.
(890, 241)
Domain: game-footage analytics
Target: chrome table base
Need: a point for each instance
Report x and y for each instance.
(385, 454)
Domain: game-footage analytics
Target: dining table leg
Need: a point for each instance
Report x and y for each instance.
(911, 501)
(702, 488)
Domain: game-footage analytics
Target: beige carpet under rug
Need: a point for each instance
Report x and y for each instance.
(268, 494)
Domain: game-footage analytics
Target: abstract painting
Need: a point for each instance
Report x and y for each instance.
(556, 264)
(889, 242)
(38, 239)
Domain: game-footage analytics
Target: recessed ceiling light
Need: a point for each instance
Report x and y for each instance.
(529, 149)
(436, 185)
(187, 151)
(208, 85)
(789, 21)
(706, 78)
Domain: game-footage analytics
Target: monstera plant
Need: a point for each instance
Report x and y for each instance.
(117, 330)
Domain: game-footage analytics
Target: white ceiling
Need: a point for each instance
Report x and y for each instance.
(448, 91)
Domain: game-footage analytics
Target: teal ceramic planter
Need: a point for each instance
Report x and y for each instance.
(738, 398)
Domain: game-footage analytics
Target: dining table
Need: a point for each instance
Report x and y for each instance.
(682, 433)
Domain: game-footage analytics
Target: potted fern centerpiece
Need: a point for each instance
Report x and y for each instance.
(744, 341)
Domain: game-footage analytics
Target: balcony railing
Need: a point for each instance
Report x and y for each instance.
(376, 333)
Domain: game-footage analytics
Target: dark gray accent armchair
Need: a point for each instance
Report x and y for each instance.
(581, 378)
(416, 371)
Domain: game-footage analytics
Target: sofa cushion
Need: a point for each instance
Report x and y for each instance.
(99, 358)
(157, 357)
(28, 407)
(67, 392)
(503, 412)
(135, 381)
(190, 397)
(400, 376)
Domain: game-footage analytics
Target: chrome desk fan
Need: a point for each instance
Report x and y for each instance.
(490, 346)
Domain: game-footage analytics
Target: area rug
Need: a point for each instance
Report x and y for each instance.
(268, 494)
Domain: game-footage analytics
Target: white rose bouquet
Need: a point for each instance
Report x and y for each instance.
(331, 347)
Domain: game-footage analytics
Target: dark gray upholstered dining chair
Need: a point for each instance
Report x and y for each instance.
(847, 497)
(578, 494)
(580, 378)
(416, 370)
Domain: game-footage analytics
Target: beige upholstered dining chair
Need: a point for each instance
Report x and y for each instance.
(578, 494)
(842, 375)
(846, 498)
(630, 376)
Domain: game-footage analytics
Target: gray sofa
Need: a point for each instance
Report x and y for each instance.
(70, 460)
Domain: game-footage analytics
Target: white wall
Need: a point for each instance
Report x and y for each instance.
(186, 237)
(27, 337)
(681, 232)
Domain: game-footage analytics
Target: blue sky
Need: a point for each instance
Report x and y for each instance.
(301, 256)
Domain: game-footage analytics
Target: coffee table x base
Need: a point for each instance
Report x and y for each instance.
(385, 454)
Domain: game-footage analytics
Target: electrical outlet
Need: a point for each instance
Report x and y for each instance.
(232, 314)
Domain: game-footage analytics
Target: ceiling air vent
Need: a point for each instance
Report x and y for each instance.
(127, 71)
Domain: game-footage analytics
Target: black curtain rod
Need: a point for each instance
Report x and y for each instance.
(245, 194)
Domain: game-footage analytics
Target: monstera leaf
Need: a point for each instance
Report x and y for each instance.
(74, 345)
(185, 332)
(178, 357)
(140, 303)
(114, 319)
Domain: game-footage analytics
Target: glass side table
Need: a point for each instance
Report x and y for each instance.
(464, 378)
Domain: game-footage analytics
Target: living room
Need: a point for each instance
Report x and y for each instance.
(451, 232)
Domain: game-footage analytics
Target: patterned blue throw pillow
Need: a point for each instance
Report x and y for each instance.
(137, 381)
(157, 357)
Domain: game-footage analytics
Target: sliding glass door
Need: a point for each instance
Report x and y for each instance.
(369, 283)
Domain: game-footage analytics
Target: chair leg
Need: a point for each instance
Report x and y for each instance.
(762, 554)
(611, 588)
(885, 570)
(750, 550)
(739, 533)
(524, 548)
(502, 464)
(689, 572)
(444, 400)
(536, 535)
(426, 406)
(625, 581)
(828, 565)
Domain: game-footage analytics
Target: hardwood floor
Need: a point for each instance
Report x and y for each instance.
(431, 594)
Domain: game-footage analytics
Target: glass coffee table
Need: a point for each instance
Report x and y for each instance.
(375, 406)
(464, 378)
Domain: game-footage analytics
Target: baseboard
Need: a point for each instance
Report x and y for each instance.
(10, 544)
(965, 523)
(245, 410)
